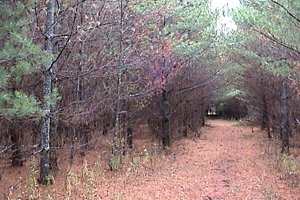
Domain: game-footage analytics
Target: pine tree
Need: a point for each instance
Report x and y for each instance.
(20, 57)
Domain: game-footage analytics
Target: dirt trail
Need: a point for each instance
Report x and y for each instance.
(227, 162)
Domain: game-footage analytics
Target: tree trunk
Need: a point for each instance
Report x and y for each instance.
(54, 128)
(166, 139)
(285, 129)
(16, 157)
(116, 140)
(53, 163)
(129, 131)
(265, 117)
(204, 112)
(185, 123)
(203, 119)
(82, 129)
(45, 132)
(105, 123)
(47, 88)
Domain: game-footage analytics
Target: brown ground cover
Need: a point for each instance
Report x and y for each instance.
(229, 161)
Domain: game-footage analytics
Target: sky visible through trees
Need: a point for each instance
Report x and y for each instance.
(225, 20)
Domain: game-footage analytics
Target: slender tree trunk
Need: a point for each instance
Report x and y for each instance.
(166, 139)
(265, 117)
(115, 150)
(105, 123)
(47, 88)
(53, 161)
(16, 157)
(185, 126)
(116, 140)
(285, 128)
(185, 121)
(129, 134)
(54, 128)
(82, 129)
(203, 112)
(203, 119)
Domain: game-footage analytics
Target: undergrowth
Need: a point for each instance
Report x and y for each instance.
(89, 181)
(32, 186)
(83, 182)
(290, 165)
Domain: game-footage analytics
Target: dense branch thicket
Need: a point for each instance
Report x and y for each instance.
(109, 67)
(75, 73)
(270, 81)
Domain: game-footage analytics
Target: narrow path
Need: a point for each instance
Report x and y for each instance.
(227, 162)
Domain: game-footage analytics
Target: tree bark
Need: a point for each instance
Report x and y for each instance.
(116, 140)
(166, 139)
(16, 157)
(53, 160)
(265, 117)
(185, 123)
(129, 130)
(106, 123)
(285, 128)
(47, 88)
(82, 129)
(54, 127)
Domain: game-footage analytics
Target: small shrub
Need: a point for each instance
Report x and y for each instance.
(133, 166)
(290, 165)
(114, 162)
(117, 196)
(71, 183)
(98, 166)
(32, 183)
(89, 180)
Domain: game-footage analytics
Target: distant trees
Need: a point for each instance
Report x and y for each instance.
(232, 107)
(175, 74)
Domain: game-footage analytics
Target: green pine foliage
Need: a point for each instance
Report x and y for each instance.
(193, 27)
(18, 104)
(268, 25)
(19, 57)
(190, 26)
(266, 37)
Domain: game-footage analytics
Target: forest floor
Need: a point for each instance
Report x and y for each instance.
(228, 161)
